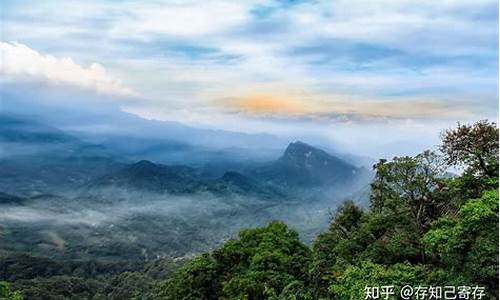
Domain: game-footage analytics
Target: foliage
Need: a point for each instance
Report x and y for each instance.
(423, 227)
(406, 186)
(7, 294)
(44, 278)
(59, 287)
(468, 242)
(474, 146)
(131, 285)
(262, 263)
(198, 279)
(355, 278)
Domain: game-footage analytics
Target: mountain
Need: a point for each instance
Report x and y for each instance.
(147, 176)
(235, 182)
(11, 199)
(302, 165)
(18, 130)
(36, 158)
(105, 123)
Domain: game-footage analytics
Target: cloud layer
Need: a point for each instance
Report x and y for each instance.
(268, 65)
(21, 63)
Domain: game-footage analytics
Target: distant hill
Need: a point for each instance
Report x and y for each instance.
(300, 167)
(11, 199)
(146, 176)
(36, 158)
(18, 130)
(235, 182)
(303, 165)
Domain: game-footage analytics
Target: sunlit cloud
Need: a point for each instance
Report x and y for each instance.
(21, 63)
(299, 105)
(266, 104)
(268, 66)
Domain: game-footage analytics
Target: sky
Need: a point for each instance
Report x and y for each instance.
(383, 73)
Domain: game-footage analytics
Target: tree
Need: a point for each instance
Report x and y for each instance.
(404, 189)
(407, 180)
(7, 294)
(130, 285)
(198, 279)
(468, 242)
(347, 218)
(474, 146)
(422, 228)
(261, 264)
(351, 284)
(338, 246)
(60, 287)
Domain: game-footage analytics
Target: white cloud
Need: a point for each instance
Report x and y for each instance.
(182, 19)
(444, 48)
(439, 71)
(21, 63)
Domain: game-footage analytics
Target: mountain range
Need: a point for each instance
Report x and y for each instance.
(63, 195)
(302, 165)
(53, 160)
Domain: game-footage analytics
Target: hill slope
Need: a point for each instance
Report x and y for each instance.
(302, 165)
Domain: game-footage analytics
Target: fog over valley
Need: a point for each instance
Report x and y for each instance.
(68, 193)
(208, 150)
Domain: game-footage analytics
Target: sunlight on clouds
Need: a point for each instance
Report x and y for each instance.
(21, 63)
(341, 107)
(252, 61)
(265, 103)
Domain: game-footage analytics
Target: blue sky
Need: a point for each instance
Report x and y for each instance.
(276, 66)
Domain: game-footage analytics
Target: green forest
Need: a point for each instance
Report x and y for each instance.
(424, 226)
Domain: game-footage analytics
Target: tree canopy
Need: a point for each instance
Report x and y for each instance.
(474, 146)
(423, 226)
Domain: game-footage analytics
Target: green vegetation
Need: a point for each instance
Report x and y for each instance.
(423, 227)
(7, 294)
(46, 279)
(263, 262)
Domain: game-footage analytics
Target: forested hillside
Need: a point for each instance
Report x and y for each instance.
(425, 226)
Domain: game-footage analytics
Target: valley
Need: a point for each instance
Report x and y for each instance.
(68, 201)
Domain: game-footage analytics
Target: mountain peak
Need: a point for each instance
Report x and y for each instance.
(144, 166)
(144, 163)
(302, 154)
(304, 165)
(299, 147)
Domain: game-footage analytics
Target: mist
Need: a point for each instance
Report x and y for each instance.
(100, 119)
(143, 225)
(74, 158)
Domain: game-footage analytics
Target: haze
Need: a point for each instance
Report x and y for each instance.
(372, 80)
